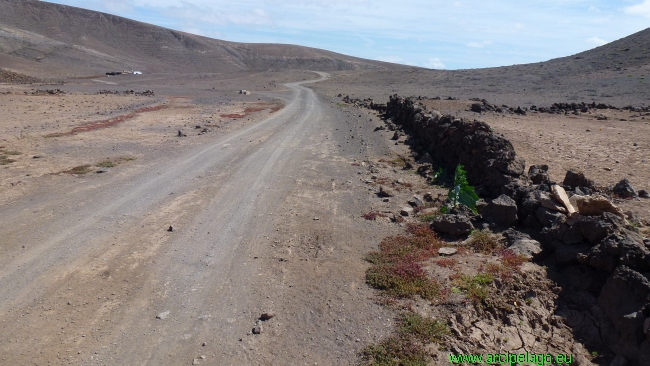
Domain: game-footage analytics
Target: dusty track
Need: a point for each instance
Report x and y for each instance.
(89, 266)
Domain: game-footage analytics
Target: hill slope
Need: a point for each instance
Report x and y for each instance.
(615, 73)
(44, 38)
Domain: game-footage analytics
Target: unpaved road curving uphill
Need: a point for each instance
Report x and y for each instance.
(92, 276)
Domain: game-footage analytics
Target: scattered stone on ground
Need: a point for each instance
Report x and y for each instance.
(447, 251)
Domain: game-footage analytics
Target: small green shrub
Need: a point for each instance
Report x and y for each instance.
(426, 330)
(483, 241)
(475, 287)
(461, 192)
(406, 347)
(395, 351)
(428, 217)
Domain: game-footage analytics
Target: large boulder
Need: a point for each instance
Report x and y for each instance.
(623, 297)
(625, 189)
(577, 179)
(456, 225)
(594, 205)
(501, 211)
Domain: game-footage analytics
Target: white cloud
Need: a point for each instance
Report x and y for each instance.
(642, 9)
(597, 41)
(479, 44)
(434, 63)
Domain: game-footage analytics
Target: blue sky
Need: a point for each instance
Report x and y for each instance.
(435, 34)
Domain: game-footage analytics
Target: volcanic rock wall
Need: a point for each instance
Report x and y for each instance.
(490, 160)
(600, 260)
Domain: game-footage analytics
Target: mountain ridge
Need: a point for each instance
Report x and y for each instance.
(36, 35)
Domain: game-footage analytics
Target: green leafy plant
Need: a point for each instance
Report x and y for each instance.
(461, 192)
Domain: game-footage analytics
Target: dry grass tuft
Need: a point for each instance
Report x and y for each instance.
(81, 169)
(483, 241)
(406, 347)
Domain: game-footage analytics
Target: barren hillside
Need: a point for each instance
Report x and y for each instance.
(43, 38)
(615, 73)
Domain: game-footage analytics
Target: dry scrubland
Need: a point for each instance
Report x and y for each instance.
(165, 219)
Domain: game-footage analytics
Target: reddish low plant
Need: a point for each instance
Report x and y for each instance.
(396, 266)
(447, 262)
(98, 125)
(373, 215)
(510, 263)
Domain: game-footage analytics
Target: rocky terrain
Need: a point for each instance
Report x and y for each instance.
(167, 218)
(594, 254)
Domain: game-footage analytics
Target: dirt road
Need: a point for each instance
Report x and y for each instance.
(90, 275)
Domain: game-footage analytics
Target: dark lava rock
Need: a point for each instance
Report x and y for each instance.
(644, 194)
(572, 236)
(625, 189)
(452, 224)
(548, 217)
(501, 211)
(538, 174)
(511, 235)
(575, 179)
(624, 297)
(477, 107)
(594, 228)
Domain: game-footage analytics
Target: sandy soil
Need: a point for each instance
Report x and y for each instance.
(266, 203)
(605, 150)
(267, 216)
